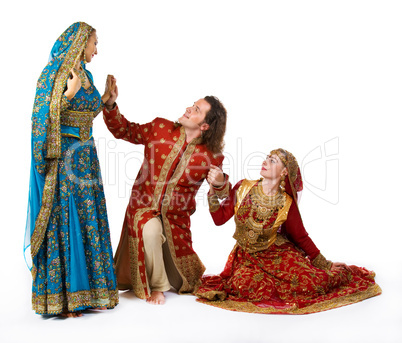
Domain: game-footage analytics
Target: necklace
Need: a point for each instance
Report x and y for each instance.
(268, 201)
(263, 207)
(82, 75)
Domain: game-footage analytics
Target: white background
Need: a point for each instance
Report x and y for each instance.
(292, 74)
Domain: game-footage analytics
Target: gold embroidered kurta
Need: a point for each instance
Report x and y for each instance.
(166, 186)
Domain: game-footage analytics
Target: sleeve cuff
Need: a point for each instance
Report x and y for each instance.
(223, 191)
(321, 262)
(110, 116)
(114, 108)
(213, 203)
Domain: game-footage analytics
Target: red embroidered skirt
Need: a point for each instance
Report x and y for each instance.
(281, 280)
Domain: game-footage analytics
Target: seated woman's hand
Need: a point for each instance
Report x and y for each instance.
(339, 266)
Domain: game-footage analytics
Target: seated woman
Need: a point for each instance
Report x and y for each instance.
(275, 267)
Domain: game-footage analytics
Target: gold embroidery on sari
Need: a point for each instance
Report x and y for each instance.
(82, 120)
(248, 306)
(53, 144)
(55, 303)
(70, 60)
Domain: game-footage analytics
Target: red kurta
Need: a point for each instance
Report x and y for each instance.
(166, 186)
(278, 278)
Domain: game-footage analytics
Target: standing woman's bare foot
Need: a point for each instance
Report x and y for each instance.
(156, 298)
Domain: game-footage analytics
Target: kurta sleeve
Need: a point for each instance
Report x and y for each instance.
(121, 128)
(222, 212)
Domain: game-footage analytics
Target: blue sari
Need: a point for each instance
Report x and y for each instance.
(67, 240)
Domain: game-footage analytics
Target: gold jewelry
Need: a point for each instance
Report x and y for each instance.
(282, 184)
(263, 206)
(271, 202)
(82, 75)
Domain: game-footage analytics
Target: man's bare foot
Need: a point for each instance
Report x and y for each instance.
(72, 314)
(156, 298)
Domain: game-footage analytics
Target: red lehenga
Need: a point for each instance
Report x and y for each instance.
(275, 267)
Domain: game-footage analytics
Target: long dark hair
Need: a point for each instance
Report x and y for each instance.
(216, 119)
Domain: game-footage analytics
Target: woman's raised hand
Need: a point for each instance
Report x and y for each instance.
(111, 92)
(73, 85)
(215, 177)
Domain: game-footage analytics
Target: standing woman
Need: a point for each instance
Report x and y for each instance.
(275, 267)
(67, 231)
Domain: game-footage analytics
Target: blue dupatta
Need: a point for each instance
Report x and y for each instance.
(46, 137)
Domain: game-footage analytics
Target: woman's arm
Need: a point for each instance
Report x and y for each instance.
(295, 231)
(73, 85)
(222, 212)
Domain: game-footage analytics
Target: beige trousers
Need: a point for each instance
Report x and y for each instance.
(161, 271)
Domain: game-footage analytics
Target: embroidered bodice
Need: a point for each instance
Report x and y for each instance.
(78, 114)
(258, 218)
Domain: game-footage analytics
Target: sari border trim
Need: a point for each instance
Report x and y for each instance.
(72, 57)
(54, 304)
(249, 307)
(54, 138)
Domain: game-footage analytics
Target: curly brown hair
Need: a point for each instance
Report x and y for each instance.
(216, 119)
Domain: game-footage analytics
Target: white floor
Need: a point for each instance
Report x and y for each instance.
(182, 319)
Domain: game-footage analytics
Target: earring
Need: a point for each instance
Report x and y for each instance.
(282, 184)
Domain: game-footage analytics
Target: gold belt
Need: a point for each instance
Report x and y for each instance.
(83, 120)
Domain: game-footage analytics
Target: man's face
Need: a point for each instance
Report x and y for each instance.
(195, 115)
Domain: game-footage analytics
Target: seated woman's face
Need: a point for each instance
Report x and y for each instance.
(91, 49)
(272, 167)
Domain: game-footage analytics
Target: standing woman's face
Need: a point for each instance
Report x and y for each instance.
(91, 49)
